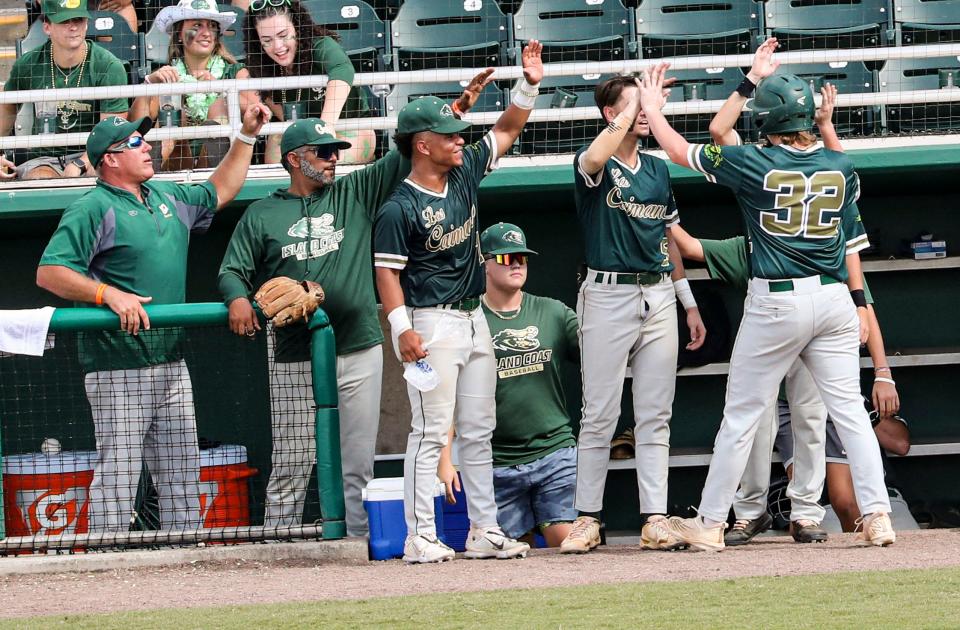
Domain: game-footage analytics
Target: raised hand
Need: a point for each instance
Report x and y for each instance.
(472, 92)
(256, 116)
(763, 62)
(824, 113)
(652, 90)
(532, 64)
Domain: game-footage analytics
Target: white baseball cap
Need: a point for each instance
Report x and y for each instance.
(192, 10)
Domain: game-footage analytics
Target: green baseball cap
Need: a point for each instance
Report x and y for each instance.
(504, 238)
(58, 11)
(110, 131)
(428, 113)
(309, 132)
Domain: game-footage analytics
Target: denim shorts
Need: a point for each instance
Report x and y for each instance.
(536, 494)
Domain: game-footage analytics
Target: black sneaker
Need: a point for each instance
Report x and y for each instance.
(743, 530)
(807, 531)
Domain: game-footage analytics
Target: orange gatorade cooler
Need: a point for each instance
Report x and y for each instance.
(47, 494)
(224, 486)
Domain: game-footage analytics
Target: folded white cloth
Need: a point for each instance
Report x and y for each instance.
(25, 331)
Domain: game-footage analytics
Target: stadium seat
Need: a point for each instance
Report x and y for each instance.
(113, 33)
(712, 84)
(921, 74)
(822, 24)
(491, 99)
(566, 136)
(362, 33)
(156, 46)
(449, 34)
(233, 37)
(572, 30)
(849, 78)
(35, 37)
(668, 28)
(927, 21)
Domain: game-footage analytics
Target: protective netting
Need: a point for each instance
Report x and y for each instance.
(214, 437)
(867, 48)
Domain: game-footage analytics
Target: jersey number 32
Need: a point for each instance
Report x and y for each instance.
(805, 206)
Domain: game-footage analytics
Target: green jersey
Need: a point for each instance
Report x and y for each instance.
(138, 247)
(35, 71)
(800, 206)
(727, 262)
(433, 237)
(624, 213)
(324, 238)
(330, 59)
(532, 419)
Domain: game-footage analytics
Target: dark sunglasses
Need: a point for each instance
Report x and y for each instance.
(260, 5)
(508, 259)
(324, 152)
(133, 142)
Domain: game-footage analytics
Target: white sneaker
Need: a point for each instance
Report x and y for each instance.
(875, 529)
(422, 549)
(491, 542)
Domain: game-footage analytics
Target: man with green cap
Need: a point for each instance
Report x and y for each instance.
(319, 230)
(123, 245)
(430, 278)
(534, 451)
(67, 60)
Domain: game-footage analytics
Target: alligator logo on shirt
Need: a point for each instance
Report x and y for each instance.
(522, 340)
(324, 237)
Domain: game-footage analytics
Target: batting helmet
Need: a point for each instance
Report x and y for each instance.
(783, 104)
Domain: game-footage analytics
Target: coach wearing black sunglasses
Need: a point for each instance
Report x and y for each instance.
(124, 244)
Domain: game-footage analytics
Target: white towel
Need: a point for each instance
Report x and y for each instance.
(25, 331)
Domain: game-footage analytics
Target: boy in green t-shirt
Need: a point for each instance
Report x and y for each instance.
(68, 60)
(534, 451)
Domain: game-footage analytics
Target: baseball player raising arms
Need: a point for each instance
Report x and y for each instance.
(799, 204)
(430, 277)
(627, 312)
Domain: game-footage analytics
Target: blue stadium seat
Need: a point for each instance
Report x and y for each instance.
(362, 33)
(574, 30)
(669, 28)
(821, 24)
(449, 34)
(927, 21)
(849, 78)
(921, 74)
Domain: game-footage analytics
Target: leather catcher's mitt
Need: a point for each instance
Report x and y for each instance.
(286, 301)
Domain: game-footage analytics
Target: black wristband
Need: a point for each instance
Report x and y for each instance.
(746, 88)
(859, 298)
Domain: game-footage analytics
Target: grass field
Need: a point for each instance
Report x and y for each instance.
(890, 599)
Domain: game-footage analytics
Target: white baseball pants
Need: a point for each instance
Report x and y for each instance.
(293, 425)
(819, 324)
(139, 415)
(808, 420)
(621, 324)
(462, 355)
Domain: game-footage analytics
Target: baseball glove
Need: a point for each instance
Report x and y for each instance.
(286, 301)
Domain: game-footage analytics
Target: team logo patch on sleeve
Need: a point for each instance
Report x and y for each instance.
(713, 153)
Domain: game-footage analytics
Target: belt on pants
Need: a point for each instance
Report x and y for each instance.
(614, 277)
(466, 304)
(779, 286)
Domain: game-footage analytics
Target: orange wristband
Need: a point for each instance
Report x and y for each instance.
(100, 290)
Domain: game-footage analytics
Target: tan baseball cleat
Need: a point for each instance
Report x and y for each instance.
(875, 529)
(656, 535)
(584, 536)
(693, 532)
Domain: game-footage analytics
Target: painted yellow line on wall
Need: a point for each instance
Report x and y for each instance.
(12, 20)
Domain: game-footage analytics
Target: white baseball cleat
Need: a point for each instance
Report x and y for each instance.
(875, 529)
(491, 542)
(423, 549)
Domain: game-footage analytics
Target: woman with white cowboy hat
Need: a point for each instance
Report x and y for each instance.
(197, 53)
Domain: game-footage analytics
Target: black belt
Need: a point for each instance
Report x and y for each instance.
(642, 278)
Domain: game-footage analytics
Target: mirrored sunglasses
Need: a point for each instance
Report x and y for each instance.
(508, 259)
(133, 142)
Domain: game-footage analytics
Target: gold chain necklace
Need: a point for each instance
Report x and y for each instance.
(483, 299)
(65, 113)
